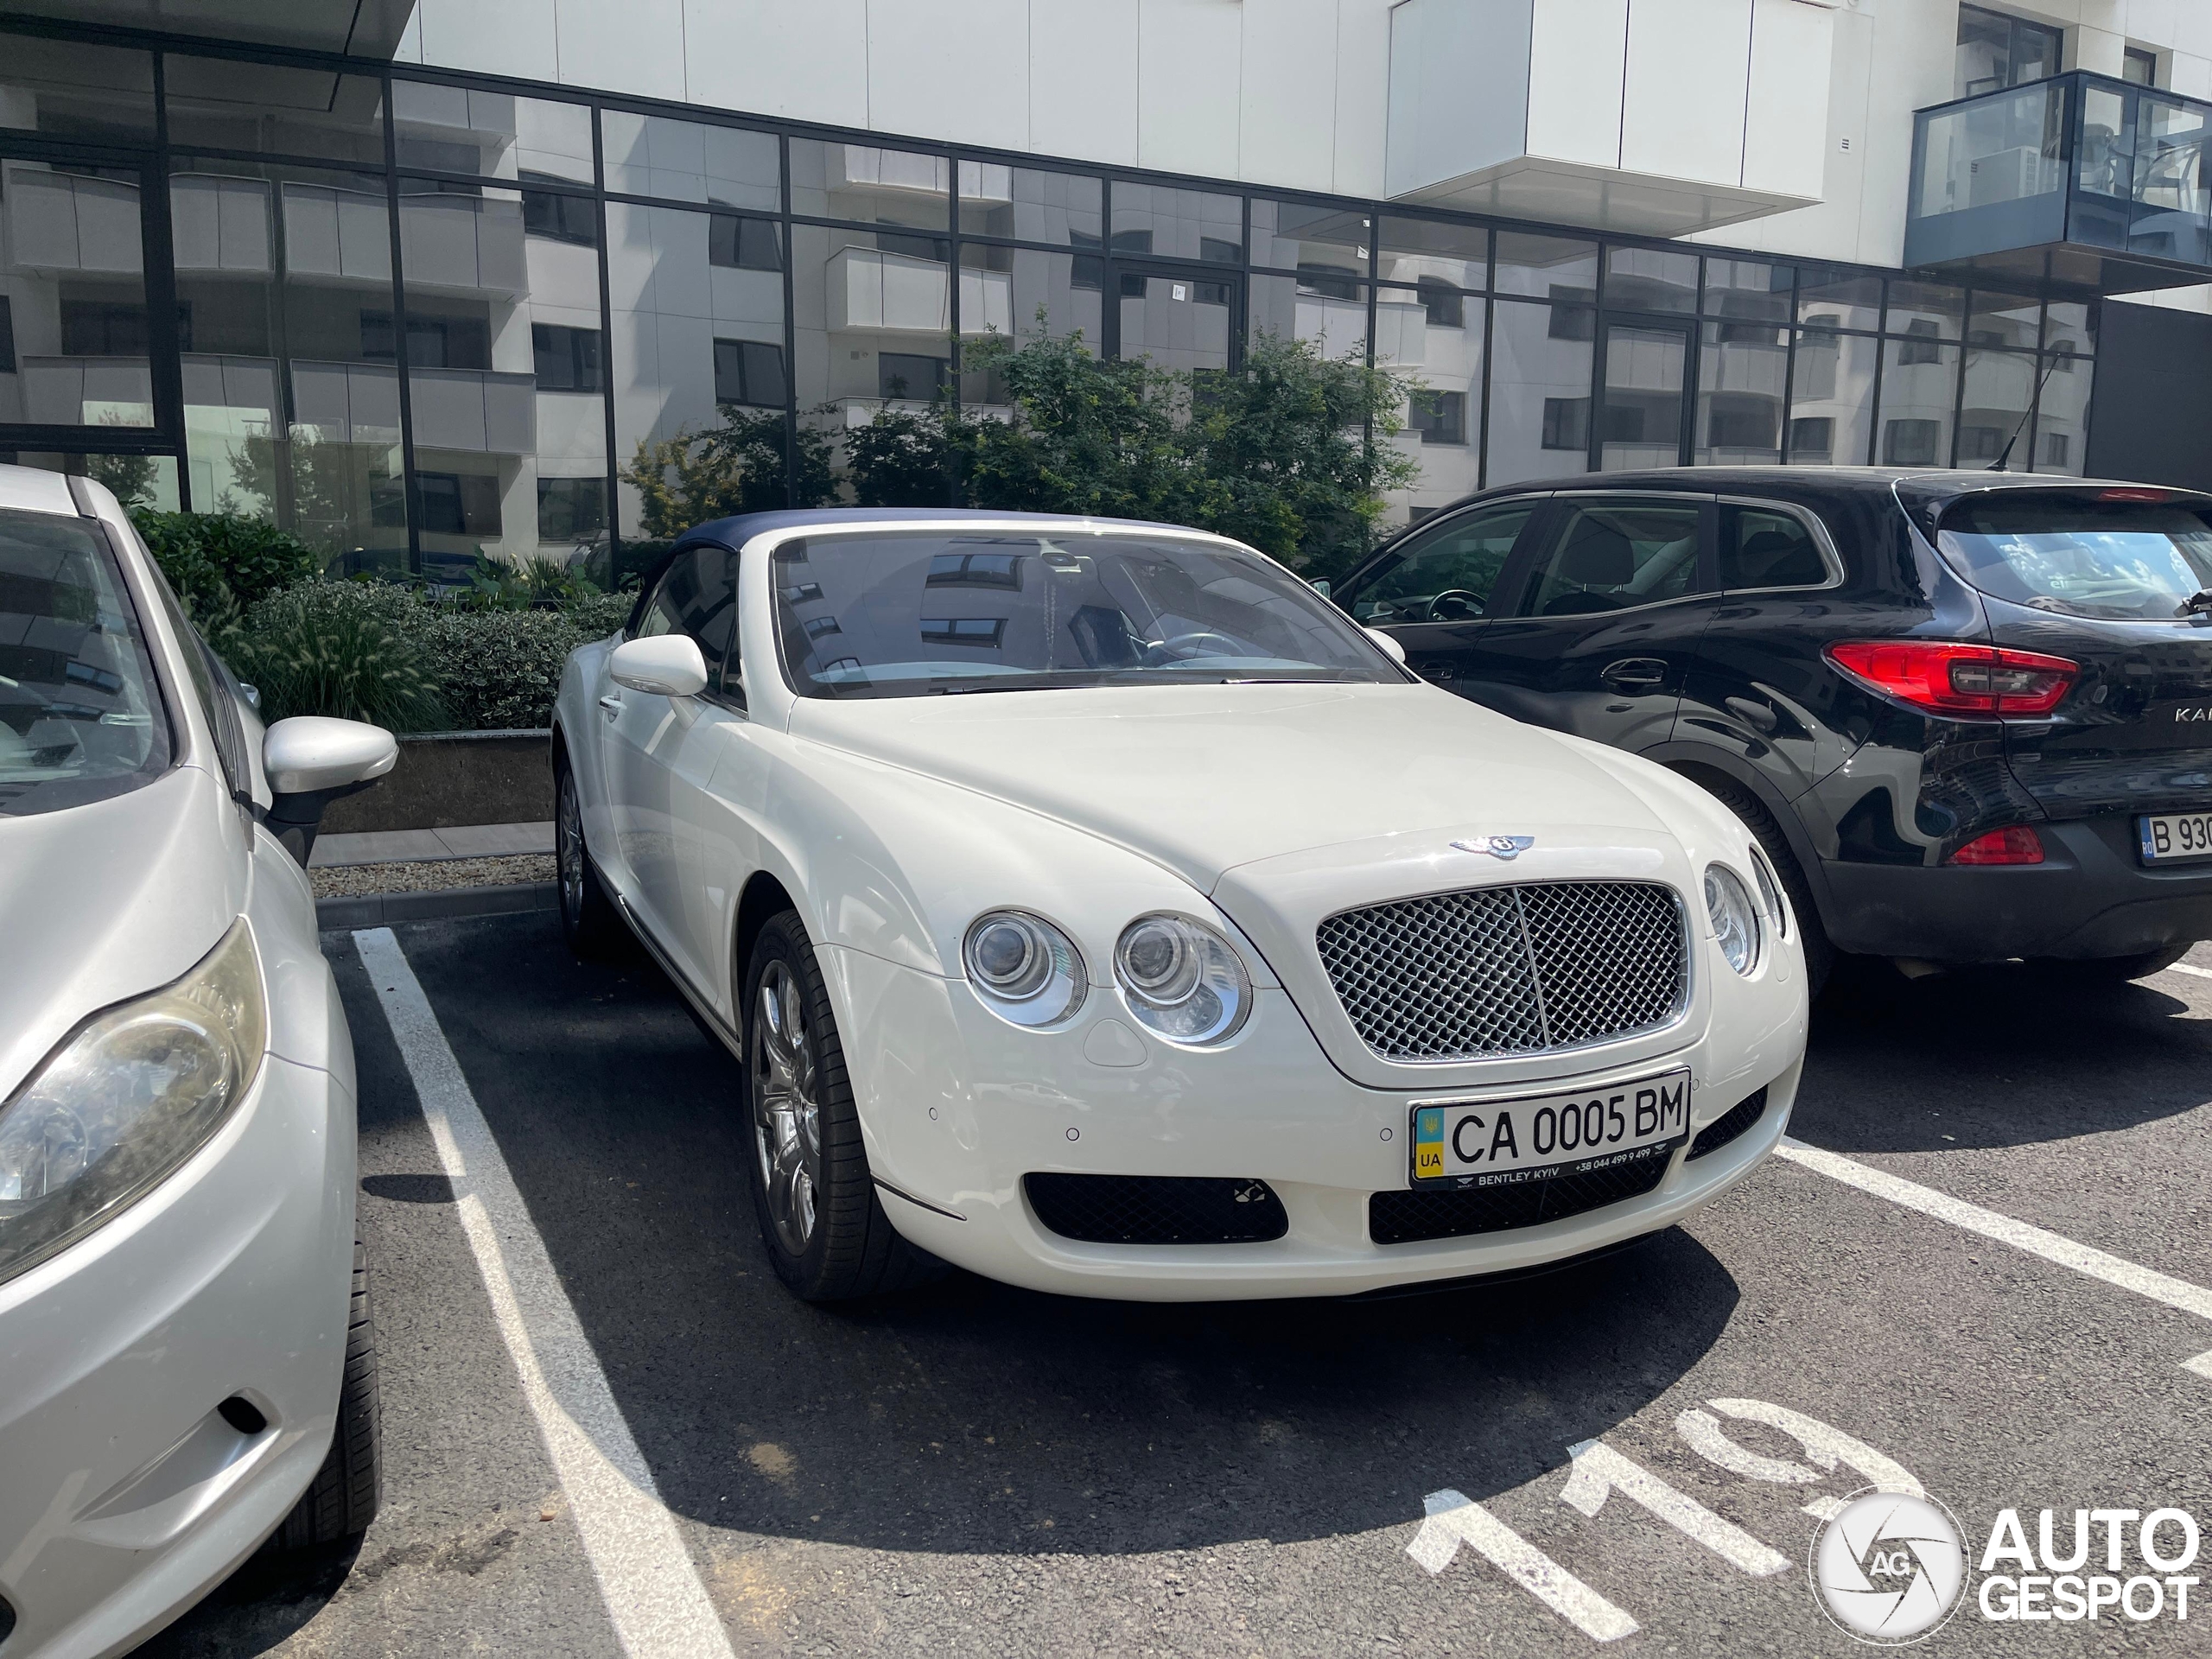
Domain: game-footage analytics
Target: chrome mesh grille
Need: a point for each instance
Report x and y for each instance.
(1507, 970)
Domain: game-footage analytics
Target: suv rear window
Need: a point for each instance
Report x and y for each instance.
(2080, 556)
(81, 718)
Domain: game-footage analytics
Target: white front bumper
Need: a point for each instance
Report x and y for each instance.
(124, 1496)
(956, 1106)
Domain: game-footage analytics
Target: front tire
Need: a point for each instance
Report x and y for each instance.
(589, 917)
(824, 1227)
(342, 1499)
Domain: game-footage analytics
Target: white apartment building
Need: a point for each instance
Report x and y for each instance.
(418, 280)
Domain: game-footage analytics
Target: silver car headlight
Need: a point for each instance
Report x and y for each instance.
(119, 1106)
(1182, 979)
(1024, 969)
(1735, 918)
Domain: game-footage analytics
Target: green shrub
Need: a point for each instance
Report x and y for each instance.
(220, 563)
(498, 670)
(332, 648)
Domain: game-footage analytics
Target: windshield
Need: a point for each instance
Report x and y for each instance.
(2135, 560)
(78, 716)
(911, 613)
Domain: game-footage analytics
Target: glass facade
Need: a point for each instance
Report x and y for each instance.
(421, 318)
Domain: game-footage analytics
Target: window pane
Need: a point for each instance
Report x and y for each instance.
(1029, 203)
(291, 378)
(1918, 383)
(1539, 394)
(76, 283)
(1640, 420)
(690, 161)
(1177, 224)
(1832, 400)
(1741, 368)
(1931, 310)
(1760, 548)
(1446, 575)
(1550, 267)
(1184, 322)
(1331, 320)
(1612, 556)
(2070, 325)
(697, 349)
(459, 130)
(2000, 387)
(1839, 300)
(1428, 250)
(1294, 236)
(1747, 289)
(68, 90)
(1436, 335)
(1046, 294)
(276, 110)
(507, 375)
(2006, 320)
(137, 480)
(870, 186)
(1651, 279)
(2063, 416)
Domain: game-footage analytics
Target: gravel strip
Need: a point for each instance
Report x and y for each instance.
(358, 880)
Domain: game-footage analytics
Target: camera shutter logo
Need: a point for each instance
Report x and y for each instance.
(1890, 1567)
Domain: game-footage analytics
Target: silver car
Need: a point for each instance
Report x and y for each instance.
(186, 1362)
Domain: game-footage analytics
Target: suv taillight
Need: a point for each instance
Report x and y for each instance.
(2016, 844)
(1945, 678)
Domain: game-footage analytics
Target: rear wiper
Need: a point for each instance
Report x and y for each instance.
(2197, 604)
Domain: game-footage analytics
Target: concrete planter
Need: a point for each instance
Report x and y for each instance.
(445, 779)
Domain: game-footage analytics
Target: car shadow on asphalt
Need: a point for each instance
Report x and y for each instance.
(1997, 1057)
(970, 1416)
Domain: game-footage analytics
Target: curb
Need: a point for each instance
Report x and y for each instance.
(378, 909)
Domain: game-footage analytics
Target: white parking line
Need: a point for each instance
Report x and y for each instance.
(2185, 968)
(2035, 1240)
(646, 1577)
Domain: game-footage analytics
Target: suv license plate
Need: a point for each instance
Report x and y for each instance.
(1504, 1143)
(2175, 837)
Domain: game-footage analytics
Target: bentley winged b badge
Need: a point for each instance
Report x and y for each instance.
(1507, 848)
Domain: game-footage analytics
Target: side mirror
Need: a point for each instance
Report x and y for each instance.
(1320, 585)
(667, 664)
(1389, 646)
(311, 760)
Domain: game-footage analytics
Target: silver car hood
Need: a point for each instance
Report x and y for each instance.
(104, 902)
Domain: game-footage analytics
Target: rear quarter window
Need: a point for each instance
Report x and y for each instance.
(2082, 555)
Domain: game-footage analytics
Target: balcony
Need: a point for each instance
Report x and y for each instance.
(2081, 179)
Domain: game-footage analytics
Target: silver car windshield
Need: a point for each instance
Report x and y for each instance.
(2118, 559)
(916, 614)
(81, 718)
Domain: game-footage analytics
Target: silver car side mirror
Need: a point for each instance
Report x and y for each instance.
(1391, 648)
(311, 760)
(1320, 585)
(667, 664)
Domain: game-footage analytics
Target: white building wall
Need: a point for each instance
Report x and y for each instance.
(1291, 93)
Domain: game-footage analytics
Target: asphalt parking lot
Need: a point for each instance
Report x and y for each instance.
(973, 1469)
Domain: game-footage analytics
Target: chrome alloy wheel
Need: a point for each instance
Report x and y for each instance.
(569, 849)
(786, 1108)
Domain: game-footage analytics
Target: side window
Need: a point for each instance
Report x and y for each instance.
(698, 596)
(211, 685)
(1613, 556)
(1761, 548)
(1447, 576)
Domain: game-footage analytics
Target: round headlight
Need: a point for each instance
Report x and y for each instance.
(1770, 894)
(1182, 980)
(1735, 918)
(1023, 968)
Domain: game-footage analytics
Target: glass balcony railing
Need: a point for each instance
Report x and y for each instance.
(2080, 178)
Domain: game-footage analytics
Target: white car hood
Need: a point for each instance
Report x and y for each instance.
(106, 901)
(1205, 777)
(1286, 804)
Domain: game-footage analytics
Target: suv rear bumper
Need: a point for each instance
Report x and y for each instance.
(2089, 897)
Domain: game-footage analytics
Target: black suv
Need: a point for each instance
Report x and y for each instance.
(1969, 714)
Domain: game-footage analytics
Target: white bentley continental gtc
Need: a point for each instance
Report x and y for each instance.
(1093, 906)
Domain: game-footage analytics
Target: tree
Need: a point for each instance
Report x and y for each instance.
(738, 467)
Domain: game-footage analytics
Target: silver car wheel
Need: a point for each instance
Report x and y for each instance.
(786, 1108)
(569, 849)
